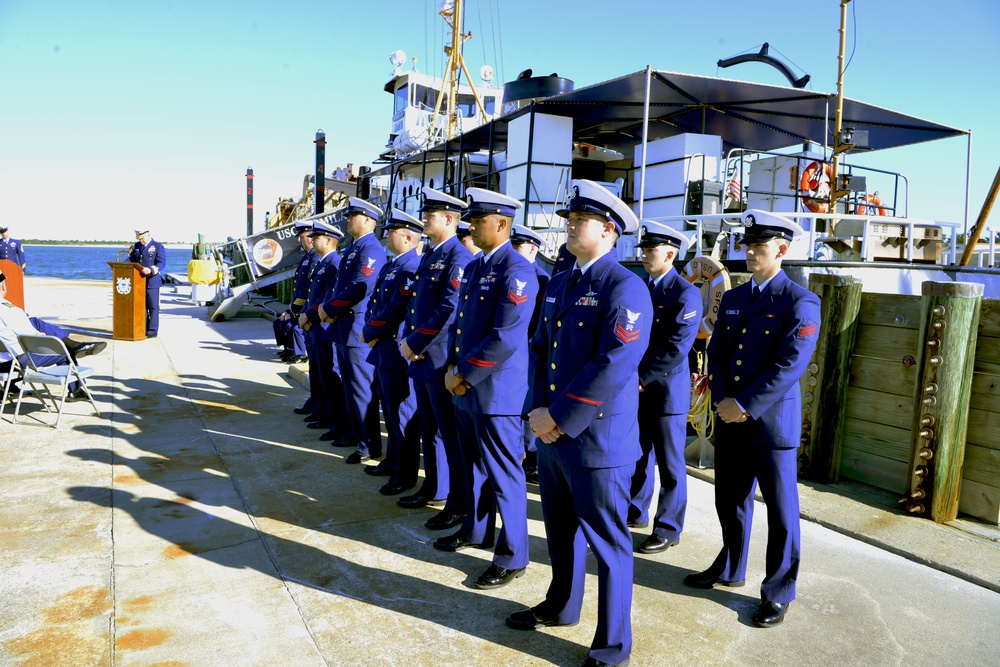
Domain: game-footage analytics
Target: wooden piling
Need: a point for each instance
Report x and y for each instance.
(824, 385)
(948, 331)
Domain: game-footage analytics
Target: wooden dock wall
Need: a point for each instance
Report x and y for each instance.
(880, 402)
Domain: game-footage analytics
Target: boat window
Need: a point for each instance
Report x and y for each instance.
(467, 105)
(401, 99)
(425, 98)
(490, 103)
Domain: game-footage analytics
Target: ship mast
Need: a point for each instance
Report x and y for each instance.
(841, 143)
(451, 12)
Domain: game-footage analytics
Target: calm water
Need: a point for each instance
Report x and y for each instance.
(86, 263)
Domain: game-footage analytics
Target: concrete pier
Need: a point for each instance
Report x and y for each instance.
(197, 522)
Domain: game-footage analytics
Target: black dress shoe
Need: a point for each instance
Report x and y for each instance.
(394, 489)
(338, 440)
(531, 477)
(318, 425)
(356, 457)
(453, 543)
(770, 614)
(84, 349)
(313, 417)
(709, 580)
(496, 577)
(594, 662)
(380, 470)
(302, 411)
(150, 334)
(637, 524)
(531, 619)
(655, 544)
(443, 520)
(417, 501)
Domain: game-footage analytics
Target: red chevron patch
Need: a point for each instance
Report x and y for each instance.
(807, 330)
(627, 336)
(367, 271)
(455, 282)
(518, 300)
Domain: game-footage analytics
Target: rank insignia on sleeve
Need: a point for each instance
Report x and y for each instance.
(518, 297)
(628, 333)
(370, 269)
(688, 316)
(456, 281)
(405, 288)
(807, 330)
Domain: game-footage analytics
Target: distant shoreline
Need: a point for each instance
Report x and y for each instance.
(124, 245)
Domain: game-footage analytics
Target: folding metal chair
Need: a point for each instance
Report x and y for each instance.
(61, 375)
(8, 377)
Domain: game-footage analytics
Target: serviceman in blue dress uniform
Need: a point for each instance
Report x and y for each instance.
(488, 376)
(584, 401)
(11, 249)
(527, 243)
(359, 269)
(326, 391)
(287, 332)
(387, 310)
(664, 387)
(762, 343)
(432, 310)
(153, 258)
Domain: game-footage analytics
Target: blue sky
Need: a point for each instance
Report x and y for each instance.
(126, 113)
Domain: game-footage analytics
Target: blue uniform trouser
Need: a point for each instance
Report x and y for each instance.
(402, 447)
(492, 448)
(582, 506)
(331, 388)
(662, 439)
(362, 402)
(431, 403)
(43, 360)
(739, 468)
(152, 310)
(43, 327)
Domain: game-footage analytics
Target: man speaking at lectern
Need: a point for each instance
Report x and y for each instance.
(153, 258)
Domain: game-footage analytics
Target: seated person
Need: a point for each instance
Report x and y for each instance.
(15, 322)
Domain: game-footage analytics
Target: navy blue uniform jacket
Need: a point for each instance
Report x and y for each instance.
(585, 359)
(439, 276)
(324, 277)
(387, 309)
(664, 370)
(300, 291)
(757, 353)
(356, 277)
(152, 256)
(489, 336)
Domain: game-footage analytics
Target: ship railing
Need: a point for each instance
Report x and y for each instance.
(898, 205)
(817, 239)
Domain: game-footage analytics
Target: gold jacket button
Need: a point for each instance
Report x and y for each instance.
(741, 346)
(458, 331)
(737, 378)
(744, 330)
(767, 332)
(552, 387)
(739, 362)
(558, 323)
(553, 366)
(555, 343)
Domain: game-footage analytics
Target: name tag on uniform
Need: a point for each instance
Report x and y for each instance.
(732, 312)
(550, 299)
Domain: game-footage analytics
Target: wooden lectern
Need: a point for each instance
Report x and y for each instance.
(14, 279)
(129, 304)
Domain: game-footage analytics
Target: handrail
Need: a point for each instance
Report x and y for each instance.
(733, 219)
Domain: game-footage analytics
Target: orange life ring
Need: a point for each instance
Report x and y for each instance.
(713, 281)
(815, 186)
(874, 201)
